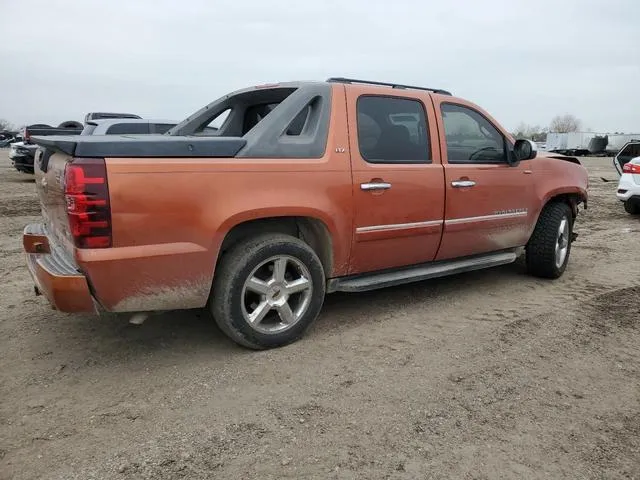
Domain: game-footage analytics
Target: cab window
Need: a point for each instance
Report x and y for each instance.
(392, 130)
(470, 137)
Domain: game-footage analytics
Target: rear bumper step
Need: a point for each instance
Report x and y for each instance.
(53, 275)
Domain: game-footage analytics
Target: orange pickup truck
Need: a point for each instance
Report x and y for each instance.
(265, 200)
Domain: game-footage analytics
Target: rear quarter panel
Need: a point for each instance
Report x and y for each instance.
(170, 217)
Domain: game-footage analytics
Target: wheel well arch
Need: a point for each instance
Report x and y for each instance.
(312, 231)
(572, 199)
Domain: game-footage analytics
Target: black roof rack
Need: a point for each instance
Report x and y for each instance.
(385, 84)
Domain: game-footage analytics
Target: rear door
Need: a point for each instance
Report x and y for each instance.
(490, 204)
(398, 184)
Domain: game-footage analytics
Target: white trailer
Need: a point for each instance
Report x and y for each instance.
(556, 141)
(619, 140)
(572, 143)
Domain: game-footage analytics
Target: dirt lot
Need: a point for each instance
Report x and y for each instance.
(488, 375)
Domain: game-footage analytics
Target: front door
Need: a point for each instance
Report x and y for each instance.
(398, 183)
(490, 204)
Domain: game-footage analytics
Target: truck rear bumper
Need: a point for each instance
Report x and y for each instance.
(65, 287)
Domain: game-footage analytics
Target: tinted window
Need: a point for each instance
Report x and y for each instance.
(162, 127)
(471, 138)
(255, 113)
(392, 130)
(298, 123)
(124, 128)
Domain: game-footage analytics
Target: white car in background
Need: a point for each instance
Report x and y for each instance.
(124, 126)
(627, 163)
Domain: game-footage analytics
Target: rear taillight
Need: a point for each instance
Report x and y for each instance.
(631, 168)
(87, 197)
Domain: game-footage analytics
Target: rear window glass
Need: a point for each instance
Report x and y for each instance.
(255, 113)
(162, 127)
(632, 150)
(123, 128)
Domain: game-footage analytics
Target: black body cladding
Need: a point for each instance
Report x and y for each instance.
(143, 146)
(296, 127)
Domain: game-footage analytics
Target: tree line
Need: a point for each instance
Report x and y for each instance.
(6, 125)
(559, 124)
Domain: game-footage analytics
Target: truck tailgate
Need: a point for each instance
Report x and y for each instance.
(49, 174)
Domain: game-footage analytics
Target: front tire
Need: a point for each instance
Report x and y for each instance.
(632, 207)
(550, 245)
(267, 291)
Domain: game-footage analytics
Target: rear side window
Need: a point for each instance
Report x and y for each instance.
(161, 127)
(125, 128)
(470, 137)
(632, 150)
(297, 125)
(254, 114)
(392, 130)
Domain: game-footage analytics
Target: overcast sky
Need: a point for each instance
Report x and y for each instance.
(520, 60)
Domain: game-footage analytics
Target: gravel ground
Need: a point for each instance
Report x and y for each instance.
(490, 375)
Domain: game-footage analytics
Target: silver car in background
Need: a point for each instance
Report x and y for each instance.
(123, 126)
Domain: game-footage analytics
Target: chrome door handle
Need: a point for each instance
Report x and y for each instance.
(462, 183)
(375, 186)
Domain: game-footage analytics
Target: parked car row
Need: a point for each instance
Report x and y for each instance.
(8, 137)
(22, 153)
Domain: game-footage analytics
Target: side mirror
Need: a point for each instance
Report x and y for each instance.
(524, 150)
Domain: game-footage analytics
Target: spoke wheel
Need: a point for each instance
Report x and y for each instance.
(562, 242)
(267, 290)
(276, 294)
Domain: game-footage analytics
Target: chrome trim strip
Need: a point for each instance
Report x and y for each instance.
(484, 218)
(433, 223)
(398, 226)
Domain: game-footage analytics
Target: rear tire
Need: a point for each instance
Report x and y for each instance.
(550, 245)
(632, 207)
(267, 291)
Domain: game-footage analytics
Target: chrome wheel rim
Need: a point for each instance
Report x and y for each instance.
(276, 294)
(562, 242)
